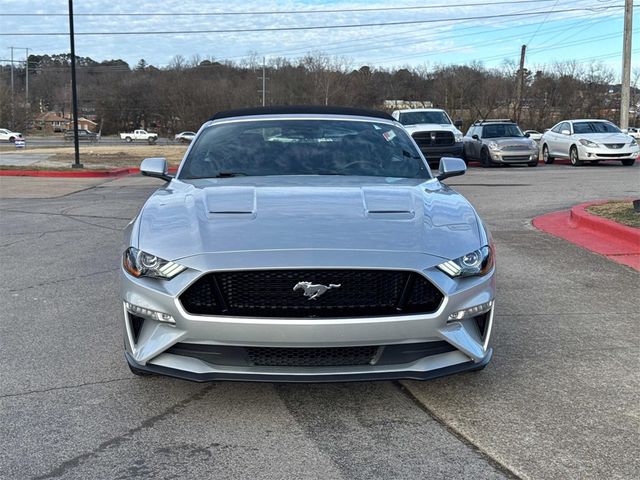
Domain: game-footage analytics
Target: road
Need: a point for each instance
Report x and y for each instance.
(52, 141)
(559, 400)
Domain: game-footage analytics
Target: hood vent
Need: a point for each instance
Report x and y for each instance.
(388, 204)
(230, 202)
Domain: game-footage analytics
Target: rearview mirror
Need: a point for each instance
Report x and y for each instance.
(451, 167)
(155, 167)
(457, 123)
(565, 132)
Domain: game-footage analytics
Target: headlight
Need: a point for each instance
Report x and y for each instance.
(142, 264)
(494, 146)
(633, 142)
(588, 143)
(457, 137)
(479, 262)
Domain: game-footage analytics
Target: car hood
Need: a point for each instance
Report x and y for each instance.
(429, 127)
(605, 137)
(307, 213)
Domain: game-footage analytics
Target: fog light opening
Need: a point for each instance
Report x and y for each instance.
(148, 313)
(470, 312)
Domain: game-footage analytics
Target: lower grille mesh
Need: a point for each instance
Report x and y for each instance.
(311, 357)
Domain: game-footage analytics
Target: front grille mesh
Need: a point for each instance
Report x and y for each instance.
(424, 139)
(310, 357)
(269, 293)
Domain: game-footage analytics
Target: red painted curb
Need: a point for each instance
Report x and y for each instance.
(603, 225)
(618, 242)
(115, 172)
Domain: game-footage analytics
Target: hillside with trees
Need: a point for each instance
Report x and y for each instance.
(185, 93)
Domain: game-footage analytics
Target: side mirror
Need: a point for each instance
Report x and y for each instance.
(565, 132)
(527, 135)
(451, 167)
(155, 167)
(475, 137)
(457, 123)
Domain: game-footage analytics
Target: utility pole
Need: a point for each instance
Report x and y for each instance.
(26, 82)
(264, 81)
(519, 85)
(74, 92)
(13, 126)
(625, 94)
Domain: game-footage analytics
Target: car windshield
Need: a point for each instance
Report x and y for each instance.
(414, 118)
(500, 130)
(303, 147)
(595, 127)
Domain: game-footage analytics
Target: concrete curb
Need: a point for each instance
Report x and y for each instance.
(596, 234)
(80, 173)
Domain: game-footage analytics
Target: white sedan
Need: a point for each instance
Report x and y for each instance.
(7, 135)
(634, 132)
(184, 137)
(533, 135)
(588, 141)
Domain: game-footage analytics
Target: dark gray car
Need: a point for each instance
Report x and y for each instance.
(493, 142)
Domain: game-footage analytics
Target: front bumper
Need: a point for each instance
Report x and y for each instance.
(601, 153)
(436, 153)
(514, 156)
(148, 348)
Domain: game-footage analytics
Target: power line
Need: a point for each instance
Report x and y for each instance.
(314, 27)
(275, 12)
(543, 21)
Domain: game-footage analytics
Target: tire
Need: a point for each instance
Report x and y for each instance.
(485, 159)
(12, 139)
(548, 159)
(627, 162)
(573, 157)
(139, 373)
(152, 141)
(128, 139)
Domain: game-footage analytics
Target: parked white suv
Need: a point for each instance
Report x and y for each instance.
(588, 141)
(434, 132)
(7, 135)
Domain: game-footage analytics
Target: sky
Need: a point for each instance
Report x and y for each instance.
(444, 33)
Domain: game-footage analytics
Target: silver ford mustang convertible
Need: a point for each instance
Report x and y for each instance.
(306, 244)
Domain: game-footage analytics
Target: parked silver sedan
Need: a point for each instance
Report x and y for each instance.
(184, 137)
(588, 141)
(306, 244)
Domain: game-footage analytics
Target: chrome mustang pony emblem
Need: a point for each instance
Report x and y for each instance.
(314, 290)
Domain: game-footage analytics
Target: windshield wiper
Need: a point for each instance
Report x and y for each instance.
(230, 174)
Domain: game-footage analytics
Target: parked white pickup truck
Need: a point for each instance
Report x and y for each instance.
(138, 135)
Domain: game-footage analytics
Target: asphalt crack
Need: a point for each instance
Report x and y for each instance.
(64, 387)
(495, 463)
(62, 280)
(114, 442)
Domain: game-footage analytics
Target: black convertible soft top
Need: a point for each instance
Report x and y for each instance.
(301, 109)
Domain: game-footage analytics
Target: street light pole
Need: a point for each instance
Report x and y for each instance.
(74, 91)
(625, 93)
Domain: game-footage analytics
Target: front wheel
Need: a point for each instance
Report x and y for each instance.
(128, 139)
(548, 159)
(627, 162)
(151, 141)
(485, 160)
(573, 157)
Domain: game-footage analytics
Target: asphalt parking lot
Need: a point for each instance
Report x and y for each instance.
(559, 400)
